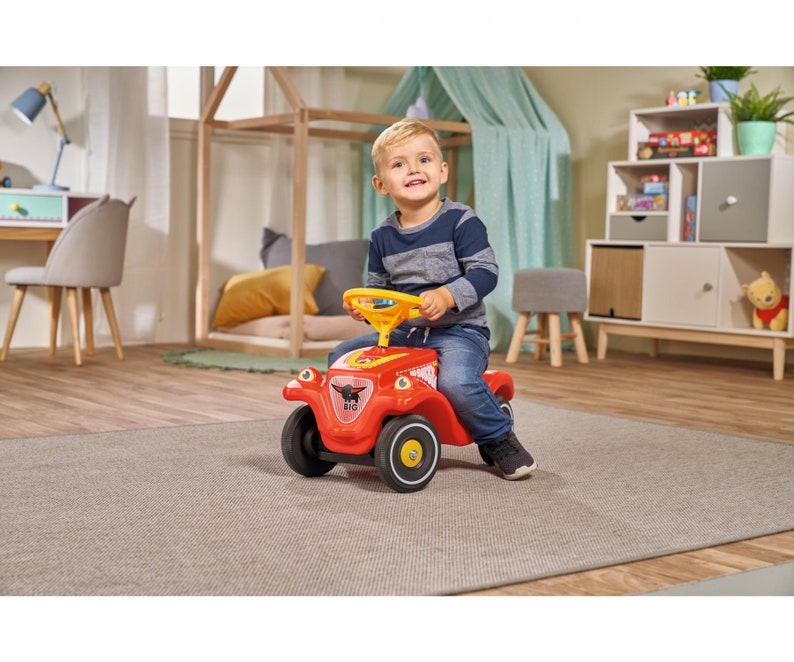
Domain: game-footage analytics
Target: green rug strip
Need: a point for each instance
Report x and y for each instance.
(224, 360)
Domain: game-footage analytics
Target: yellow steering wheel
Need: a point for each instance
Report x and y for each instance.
(383, 309)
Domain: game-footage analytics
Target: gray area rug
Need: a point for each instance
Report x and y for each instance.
(214, 510)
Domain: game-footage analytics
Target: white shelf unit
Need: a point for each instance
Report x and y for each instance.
(644, 280)
(701, 117)
(742, 198)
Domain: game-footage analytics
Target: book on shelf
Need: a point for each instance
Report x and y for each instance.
(690, 218)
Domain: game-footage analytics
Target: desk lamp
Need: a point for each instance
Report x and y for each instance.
(27, 107)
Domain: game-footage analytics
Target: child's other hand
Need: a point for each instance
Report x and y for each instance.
(435, 303)
(355, 313)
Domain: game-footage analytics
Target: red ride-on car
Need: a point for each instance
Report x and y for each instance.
(378, 406)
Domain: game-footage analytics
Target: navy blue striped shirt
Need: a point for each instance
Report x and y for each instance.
(450, 249)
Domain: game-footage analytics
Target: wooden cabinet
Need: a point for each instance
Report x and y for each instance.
(675, 271)
(616, 281)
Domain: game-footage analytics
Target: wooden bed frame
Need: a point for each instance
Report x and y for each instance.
(296, 123)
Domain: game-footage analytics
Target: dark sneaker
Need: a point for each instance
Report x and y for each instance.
(511, 457)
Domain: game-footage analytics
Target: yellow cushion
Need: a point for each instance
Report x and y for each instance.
(265, 292)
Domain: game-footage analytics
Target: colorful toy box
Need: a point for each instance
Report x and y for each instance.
(640, 202)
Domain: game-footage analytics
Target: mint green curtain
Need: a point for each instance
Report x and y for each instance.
(519, 170)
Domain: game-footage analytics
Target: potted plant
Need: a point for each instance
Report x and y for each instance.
(756, 118)
(722, 80)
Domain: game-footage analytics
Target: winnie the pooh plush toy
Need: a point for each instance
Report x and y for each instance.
(771, 305)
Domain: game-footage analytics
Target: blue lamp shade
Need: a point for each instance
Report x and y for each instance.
(30, 103)
(27, 106)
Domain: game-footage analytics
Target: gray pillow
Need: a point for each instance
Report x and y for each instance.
(344, 262)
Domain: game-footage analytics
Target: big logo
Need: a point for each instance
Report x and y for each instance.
(349, 395)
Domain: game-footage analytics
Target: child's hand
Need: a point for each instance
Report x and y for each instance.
(355, 313)
(436, 302)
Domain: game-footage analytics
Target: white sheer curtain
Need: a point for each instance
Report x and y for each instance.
(127, 148)
(332, 202)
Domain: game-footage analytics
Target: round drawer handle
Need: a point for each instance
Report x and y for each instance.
(707, 287)
(731, 200)
(14, 206)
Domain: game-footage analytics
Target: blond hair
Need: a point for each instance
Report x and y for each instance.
(398, 133)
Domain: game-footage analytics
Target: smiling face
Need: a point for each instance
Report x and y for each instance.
(411, 172)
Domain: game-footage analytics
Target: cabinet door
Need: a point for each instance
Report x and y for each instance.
(681, 285)
(734, 203)
(616, 282)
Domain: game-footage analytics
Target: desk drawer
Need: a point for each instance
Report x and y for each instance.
(32, 208)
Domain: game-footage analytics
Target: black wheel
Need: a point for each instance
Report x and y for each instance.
(407, 453)
(300, 442)
(505, 406)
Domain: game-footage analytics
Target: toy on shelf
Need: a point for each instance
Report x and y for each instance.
(683, 98)
(669, 144)
(5, 182)
(770, 304)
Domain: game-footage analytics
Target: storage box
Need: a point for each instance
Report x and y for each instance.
(641, 202)
(647, 151)
(655, 188)
(682, 138)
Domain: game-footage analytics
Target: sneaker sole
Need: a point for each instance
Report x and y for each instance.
(521, 472)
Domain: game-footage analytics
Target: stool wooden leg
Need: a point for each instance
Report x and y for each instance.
(518, 336)
(16, 305)
(578, 338)
(542, 335)
(74, 319)
(555, 340)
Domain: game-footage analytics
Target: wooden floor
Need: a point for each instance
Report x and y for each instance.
(43, 395)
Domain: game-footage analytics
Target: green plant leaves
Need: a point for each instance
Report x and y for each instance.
(752, 107)
(725, 73)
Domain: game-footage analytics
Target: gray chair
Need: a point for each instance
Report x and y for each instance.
(549, 293)
(89, 253)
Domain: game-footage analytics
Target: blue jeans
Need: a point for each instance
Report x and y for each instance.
(462, 358)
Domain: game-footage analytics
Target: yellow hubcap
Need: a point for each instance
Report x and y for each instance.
(411, 453)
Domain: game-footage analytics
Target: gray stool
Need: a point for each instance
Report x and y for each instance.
(548, 293)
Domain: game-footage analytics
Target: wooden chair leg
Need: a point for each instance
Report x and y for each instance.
(74, 319)
(543, 334)
(518, 337)
(111, 315)
(578, 338)
(88, 321)
(54, 295)
(555, 340)
(16, 305)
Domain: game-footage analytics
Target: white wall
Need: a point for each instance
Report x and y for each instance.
(592, 102)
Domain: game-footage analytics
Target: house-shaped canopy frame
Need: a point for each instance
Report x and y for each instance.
(297, 123)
